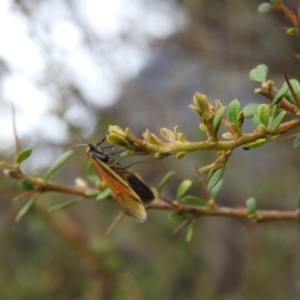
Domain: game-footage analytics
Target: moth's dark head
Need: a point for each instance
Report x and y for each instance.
(97, 152)
(89, 148)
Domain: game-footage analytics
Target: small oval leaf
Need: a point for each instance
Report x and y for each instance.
(26, 185)
(296, 88)
(234, 109)
(259, 73)
(256, 121)
(292, 31)
(215, 190)
(104, 195)
(297, 142)
(194, 200)
(218, 118)
(250, 110)
(255, 144)
(190, 232)
(183, 187)
(175, 217)
(181, 154)
(277, 121)
(263, 113)
(89, 169)
(280, 94)
(26, 207)
(23, 155)
(59, 162)
(167, 134)
(264, 7)
(217, 176)
(164, 181)
(298, 199)
(251, 205)
(91, 193)
(64, 205)
(228, 136)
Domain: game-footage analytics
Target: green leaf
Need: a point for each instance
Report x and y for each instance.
(250, 110)
(240, 119)
(256, 121)
(64, 205)
(181, 154)
(91, 193)
(26, 185)
(194, 200)
(297, 142)
(190, 232)
(274, 112)
(292, 31)
(277, 121)
(217, 176)
(263, 113)
(104, 195)
(218, 118)
(180, 137)
(215, 190)
(164, 181)
(167, 134)
(175, 217)
(296, 87)
(93, 178)
(23, 155)
(89, 169)
(255, 144)
(264, 7)
(26, 207)
(89, 175)
(59, 162)
(195, 109)
(259, 73)
(202, 104)
(183, 187)
(280, 94)
(262, 128)
(234, 109)
(251, 205)
(228, 136)
(298, 199)
(6, 165)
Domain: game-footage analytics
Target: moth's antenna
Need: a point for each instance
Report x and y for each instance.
(78, 145)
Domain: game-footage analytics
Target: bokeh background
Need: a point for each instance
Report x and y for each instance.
(75, 67)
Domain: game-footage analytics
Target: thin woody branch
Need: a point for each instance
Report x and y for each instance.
(174, 147)
(158, 204)
(220, 211)
(292, 17)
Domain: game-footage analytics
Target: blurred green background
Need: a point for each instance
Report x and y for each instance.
(150, 61)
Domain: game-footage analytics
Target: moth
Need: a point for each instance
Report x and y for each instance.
(132, 194)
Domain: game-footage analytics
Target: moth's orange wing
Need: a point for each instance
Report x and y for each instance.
(129, 201)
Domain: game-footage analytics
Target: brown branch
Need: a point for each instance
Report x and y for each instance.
(159, 204)
(284, 104)
(43, 185)
(237, 213)
(183, 225)
(292, 17)
(288, 83)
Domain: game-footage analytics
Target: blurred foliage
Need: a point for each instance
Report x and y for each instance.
(65, 255)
